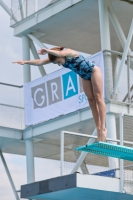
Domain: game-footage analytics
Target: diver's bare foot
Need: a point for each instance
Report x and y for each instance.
(103, 135)
(98, 135)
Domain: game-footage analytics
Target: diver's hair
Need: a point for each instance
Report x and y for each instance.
(52, 58)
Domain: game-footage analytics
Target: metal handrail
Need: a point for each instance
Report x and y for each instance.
(95, 137)
(18, 86)
(115, 52)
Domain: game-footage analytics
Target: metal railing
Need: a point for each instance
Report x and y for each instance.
(68, 154)
(24, 8)
(12, 106)
(124, 92)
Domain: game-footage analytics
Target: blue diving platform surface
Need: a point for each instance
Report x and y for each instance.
(75, 187)
(108, 149)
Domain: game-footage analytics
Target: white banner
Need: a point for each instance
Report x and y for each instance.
(56, 94)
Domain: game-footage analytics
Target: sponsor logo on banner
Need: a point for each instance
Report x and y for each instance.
(39, 96)
(56, 94)
(55, 90)
(70, 85)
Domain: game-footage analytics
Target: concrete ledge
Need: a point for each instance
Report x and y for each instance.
(75, 187)
(47, 186)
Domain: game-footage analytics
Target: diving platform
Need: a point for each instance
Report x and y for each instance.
(75, 187)
(108, 149)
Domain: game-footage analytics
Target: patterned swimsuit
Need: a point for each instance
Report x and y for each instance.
(81, 66)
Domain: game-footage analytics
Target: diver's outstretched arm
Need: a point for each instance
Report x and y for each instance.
(33, 62)
(64, 53)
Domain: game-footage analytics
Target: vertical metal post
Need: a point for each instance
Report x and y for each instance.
(105, 44)
(30, 161)
(111, 126)
(121, 161)
(26, 8)
(36, 5)
(28, 143)
(61, 152)
(104, 24)
(26, 56)
(115, 71)
(9, 176)
(128, 82)
(21, 6)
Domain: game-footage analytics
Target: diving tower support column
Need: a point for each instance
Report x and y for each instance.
(105, 44)
(28, 143)
(26, 56)
(30, 161)
(111, 126)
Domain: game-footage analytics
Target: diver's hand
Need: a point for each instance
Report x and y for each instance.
(20, 62)
(43, 51)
